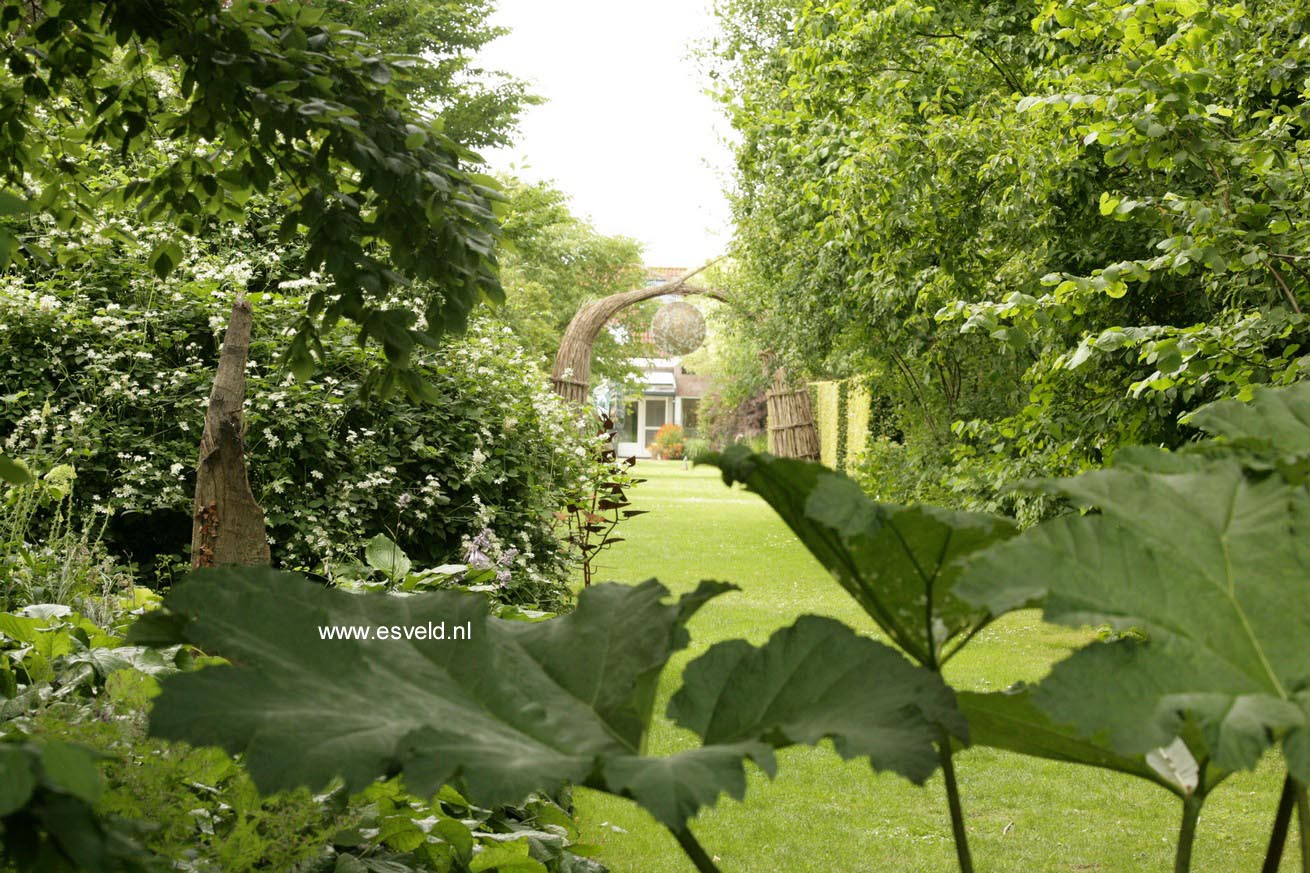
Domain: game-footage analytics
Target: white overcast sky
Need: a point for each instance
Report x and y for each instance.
(626, 131)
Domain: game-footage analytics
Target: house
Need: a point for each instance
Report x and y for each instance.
(668, 395)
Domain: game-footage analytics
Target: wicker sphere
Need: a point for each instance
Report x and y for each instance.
(678, 328)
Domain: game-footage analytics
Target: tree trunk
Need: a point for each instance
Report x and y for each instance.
(228, 525)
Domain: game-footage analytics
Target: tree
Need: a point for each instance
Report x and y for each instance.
(1050, 231)
(554, 263)
(478, 108)
(254, 98)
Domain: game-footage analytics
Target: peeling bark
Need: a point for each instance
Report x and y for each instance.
(228, 525)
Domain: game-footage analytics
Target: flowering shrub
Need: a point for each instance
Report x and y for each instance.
(114, 377)
(668, 443)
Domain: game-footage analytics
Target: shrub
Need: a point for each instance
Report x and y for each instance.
(50, 551)
(723, 422)
(668, 443)
(696, 449)
(893, 472)
(123, 374)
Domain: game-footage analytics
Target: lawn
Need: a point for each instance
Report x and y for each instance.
(825, 814)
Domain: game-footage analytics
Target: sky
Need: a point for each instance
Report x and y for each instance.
(626, 131)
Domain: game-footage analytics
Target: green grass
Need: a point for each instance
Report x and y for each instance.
(821, 813)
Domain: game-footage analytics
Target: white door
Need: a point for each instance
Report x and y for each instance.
(655, 414)
(629, 429)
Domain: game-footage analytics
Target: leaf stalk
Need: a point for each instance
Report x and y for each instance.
(1187, 833)
(1303, 823)
(962, 854)
(1278, 834)
(694, 850)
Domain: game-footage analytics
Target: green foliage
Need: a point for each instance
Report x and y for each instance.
(67, 681)
(13, 472)
(1204, 561)
(1009, 720)
(732, 357)
(518, 707)
(284, 104)
(1050, 229)
(842, 415)
(553, 264)
(599, 502)
(1196, 561)
(697, 449)
(48, 791)
(818, 680)
(440, 718)
(890, 471)
(478, 108)
(51, 549)
(383, 555)
(111, 369)
(900, 563)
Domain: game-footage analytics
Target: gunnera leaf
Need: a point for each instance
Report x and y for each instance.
(1210, 568)
(1271, 432)
(1275, 419)
(1009, 720)
(900, 563)
(816, 680)
(514, 708)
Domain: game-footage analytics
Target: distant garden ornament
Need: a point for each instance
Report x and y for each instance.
(791, 419)
(678, 328)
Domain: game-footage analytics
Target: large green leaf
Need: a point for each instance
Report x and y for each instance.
(1271, 432)
(899, 562)
(1209, 570)
(516, 707)
(815, 680)
(1276, 419)
(383, 555)
(1009, 720)
(13, 472)
(17, 778)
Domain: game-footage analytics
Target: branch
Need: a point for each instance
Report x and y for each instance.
(1005, 73)
(1291, 298)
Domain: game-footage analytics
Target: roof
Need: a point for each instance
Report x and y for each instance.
(660, 382)
(691, 385)
(656, 275)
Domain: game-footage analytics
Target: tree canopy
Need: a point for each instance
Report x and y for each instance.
(1049, 229)
(252, 98)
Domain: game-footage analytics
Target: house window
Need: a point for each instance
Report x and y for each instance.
(657, 412)
(689, 409)
(628, 426)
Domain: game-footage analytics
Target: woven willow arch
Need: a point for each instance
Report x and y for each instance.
(791, 418)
